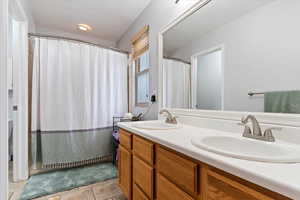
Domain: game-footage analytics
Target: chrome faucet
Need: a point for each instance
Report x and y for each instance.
(255, 125)
(170, 118)
(256, 132)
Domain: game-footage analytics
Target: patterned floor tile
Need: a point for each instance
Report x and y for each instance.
(108, 191)
(86, 194)
(54, 198)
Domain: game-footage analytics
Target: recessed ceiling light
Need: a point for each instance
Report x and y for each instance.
(84, 27)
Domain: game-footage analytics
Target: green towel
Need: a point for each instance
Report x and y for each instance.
(282, 102)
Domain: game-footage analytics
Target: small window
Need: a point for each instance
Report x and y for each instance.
(141, 65)
(142, 79)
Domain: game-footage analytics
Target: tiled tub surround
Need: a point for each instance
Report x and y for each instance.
(280, 178)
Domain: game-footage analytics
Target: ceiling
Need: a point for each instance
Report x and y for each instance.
(109, 19)
(208, 18)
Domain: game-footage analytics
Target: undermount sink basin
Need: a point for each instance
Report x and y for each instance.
(249, 149)
(155, 125)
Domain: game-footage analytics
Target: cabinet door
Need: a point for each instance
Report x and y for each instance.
(125, 168)
(179, 170)
(166, 190)
(222, 187)
(138, 193)
(143, 176)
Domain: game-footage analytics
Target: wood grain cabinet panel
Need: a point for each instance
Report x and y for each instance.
(177, 177)
(125, 139)
(143, 176)
(125, 173)
(222, 187)
(179, 170)
(138, 193)
(166, 190)
(143, 149)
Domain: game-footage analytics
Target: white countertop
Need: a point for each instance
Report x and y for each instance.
(280, 178)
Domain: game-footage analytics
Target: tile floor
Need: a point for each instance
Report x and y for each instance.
(15, 189)
(106, 190)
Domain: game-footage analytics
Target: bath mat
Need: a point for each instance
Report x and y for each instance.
(62, 180)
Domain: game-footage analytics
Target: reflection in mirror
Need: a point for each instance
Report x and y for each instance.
(208, 79)
(237, 55)
(177, 75)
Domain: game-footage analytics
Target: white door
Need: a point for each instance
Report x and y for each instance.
(208, 79)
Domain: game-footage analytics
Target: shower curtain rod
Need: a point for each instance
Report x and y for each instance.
(75, 40)
(177, 59)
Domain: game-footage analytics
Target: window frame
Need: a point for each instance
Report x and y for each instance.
(138, 73)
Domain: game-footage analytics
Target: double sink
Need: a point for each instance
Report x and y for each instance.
(233, 145)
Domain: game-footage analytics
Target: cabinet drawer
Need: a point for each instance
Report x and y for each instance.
(143, 149)
(168, 191)
(138, 194)
(143, 176)
(125, 139)
(179, 170)
(222, 186)
(125, 166)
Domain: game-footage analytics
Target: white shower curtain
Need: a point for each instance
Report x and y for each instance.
(77, 89)
(177, 83)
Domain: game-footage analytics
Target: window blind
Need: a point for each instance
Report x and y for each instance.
(140, 42)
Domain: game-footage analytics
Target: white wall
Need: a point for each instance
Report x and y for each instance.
(28, 12)
(209, 81)
(157, 15)
(261, 53)
(3, 100)
(55, 32)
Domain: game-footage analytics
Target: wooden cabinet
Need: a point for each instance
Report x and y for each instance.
(125, 139)
(166, 190)
(149, 171)
(138, 194)
(143, 175)
(223, 186)
(180, 170)
(143, 149)
(219, 188)
(125, 171)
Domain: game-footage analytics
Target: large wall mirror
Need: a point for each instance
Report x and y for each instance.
(237, 55)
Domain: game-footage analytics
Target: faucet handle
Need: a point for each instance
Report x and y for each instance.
(268, 134)
(243, 121)
(170, 117)
(247, 129)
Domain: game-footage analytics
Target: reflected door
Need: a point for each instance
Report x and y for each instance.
(209, 81)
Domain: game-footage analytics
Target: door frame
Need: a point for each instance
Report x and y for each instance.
(194, 64)
(3, 100)
(20, 98)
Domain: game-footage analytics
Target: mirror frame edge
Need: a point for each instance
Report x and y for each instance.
(174, 22)
(280, 119)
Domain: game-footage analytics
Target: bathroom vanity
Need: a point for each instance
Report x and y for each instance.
(152, 168)
(219, 62)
